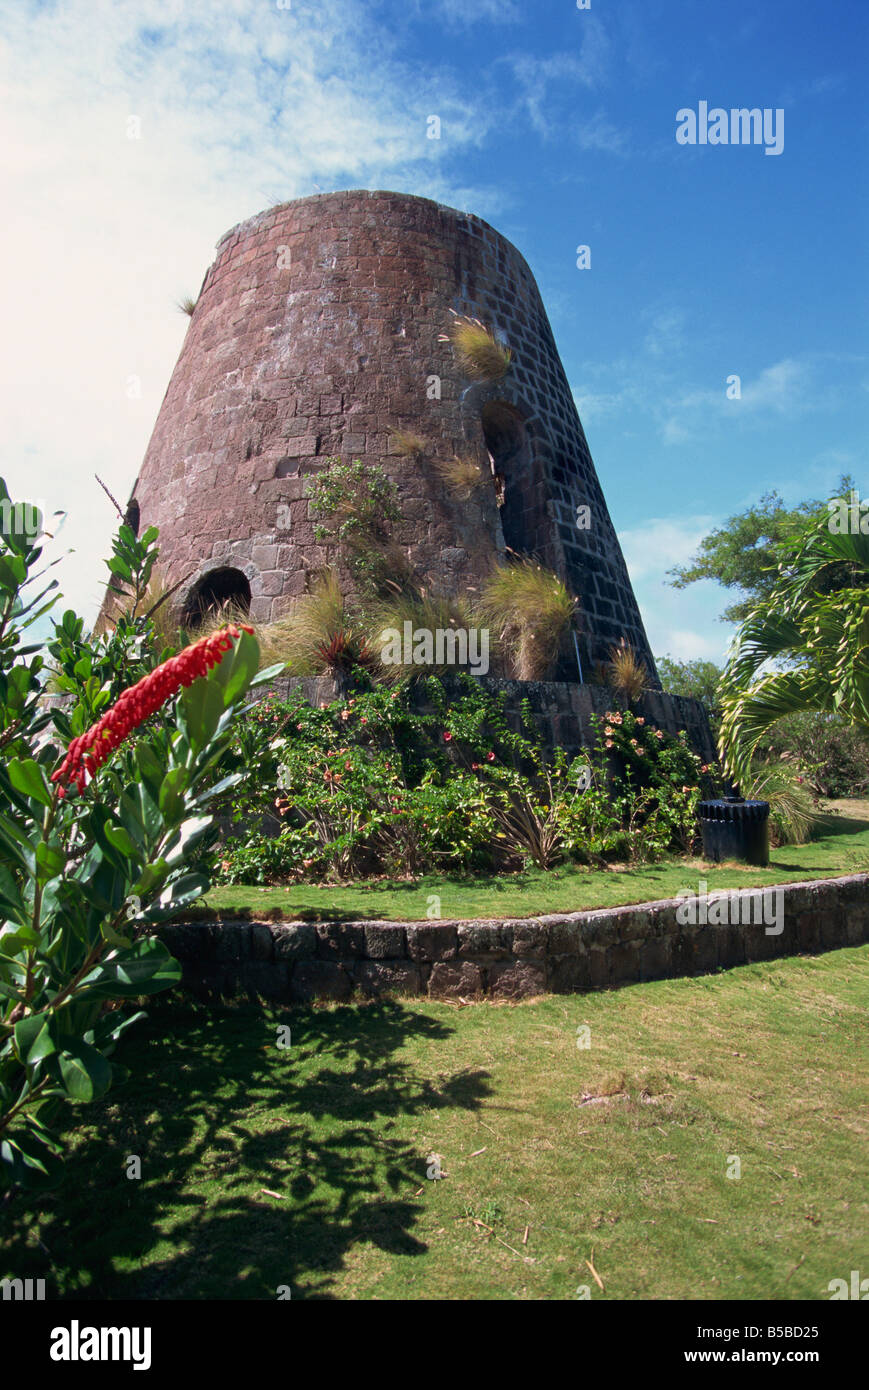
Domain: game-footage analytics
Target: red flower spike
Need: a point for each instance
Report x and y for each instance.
(87, 753)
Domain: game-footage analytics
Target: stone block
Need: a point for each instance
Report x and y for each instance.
(432, 942)
(482, 939)
(385, 941)
(319, 979)
(455, 979)
(516, 979)
(336, 940)
(293, 940)
(377, 977)
(265, 979)
(262, 941)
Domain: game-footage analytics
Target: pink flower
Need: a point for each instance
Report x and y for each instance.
(447, 738)
(658, 734)
(609, 743)
(641, 721)
(490, 757)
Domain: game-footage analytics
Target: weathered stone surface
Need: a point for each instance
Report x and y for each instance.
(294, 940)
(385, 941)
(262, 941)
(529, 939)
(266, 979)
(454, 979)
(319, 979)
(656, 958)
(566, 938)
(623, 959)
(568, 974)
(340, 939)
(516, 979)
(482, 939)
(233, 941)
(518, 956)
(375, 977)
(434, 941)
(598, 967)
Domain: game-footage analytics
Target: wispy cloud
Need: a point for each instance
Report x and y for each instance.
(680, 623)
(236, 106)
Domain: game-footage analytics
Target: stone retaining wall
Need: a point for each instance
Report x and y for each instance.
(562, 710)
(517, 957)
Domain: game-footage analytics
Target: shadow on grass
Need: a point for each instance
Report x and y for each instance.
(217, 1111)
(828, 826)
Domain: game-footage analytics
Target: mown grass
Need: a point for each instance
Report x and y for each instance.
(840, 847)
(306, 1166)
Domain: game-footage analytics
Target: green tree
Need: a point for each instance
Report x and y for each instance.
(743, 554)
(697, 680)
(805, 647)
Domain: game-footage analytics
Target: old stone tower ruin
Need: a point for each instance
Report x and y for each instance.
(318, 333)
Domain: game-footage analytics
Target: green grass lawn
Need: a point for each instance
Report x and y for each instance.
(306, 1166)
(841, 847)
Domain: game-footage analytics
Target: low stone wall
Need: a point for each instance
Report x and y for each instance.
(518, 957)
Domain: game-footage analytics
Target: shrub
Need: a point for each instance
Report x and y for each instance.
(429, 614)
(320, 634)
(462, 476)
(479, 355)
(98, 851)
(831, 755)
(626, 673)
(409, 445)
(357, 507)
(531, 611)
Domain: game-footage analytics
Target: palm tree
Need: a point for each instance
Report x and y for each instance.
(815, 626)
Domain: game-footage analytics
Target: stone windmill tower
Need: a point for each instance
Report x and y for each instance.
(318, 333)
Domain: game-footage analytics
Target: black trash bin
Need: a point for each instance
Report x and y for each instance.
(735, 829)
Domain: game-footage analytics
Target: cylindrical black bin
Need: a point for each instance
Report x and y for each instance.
(735, 829)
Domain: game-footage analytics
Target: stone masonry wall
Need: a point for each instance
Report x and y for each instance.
(316, 334)
(511, 958)
(562, 711)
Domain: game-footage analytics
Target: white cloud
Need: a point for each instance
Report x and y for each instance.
(240, 106)
(682, 623)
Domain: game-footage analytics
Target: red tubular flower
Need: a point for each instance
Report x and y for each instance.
(87, 753)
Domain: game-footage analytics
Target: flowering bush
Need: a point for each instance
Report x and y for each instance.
(104, 804)
(369, 785)
(656, 781)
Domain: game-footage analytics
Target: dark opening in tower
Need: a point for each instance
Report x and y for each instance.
(219, 591)
(523, 512)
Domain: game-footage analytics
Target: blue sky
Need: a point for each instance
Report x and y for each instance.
(557, 125)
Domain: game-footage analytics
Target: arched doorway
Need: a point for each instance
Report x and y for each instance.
(216, 591)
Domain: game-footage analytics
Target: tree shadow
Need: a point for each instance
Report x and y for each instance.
(263, 1166)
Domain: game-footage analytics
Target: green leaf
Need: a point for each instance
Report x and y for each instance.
(145, 969)
(122, 841)
(30, 1158)
(50, 861)
(171, 793)
(33, 1038)
(85, 1072)
(28, 777)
